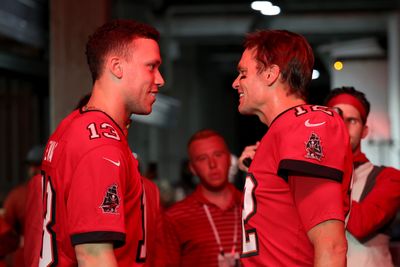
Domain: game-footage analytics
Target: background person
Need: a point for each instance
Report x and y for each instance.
(16, 201)
(376, 189)
(204, 228)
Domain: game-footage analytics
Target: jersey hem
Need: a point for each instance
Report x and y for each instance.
(117, 238)
(308, 168)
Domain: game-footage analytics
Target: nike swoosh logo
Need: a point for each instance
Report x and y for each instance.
(116, 163)
(307, 123)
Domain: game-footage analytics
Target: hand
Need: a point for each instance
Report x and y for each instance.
(248, 152)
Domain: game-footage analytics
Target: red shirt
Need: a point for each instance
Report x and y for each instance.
(188, 237)
(93, 191)
(306, 141)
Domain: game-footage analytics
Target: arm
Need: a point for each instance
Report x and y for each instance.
(95, 254)
(320, 207)
(379, 206)
(329, 242)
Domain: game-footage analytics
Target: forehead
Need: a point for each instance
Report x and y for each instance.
(247, 58)
(207, 144)
(348, 110)
(143, 47)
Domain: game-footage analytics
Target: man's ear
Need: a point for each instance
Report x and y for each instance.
(365, 131)
(272, 74)
(114, 65)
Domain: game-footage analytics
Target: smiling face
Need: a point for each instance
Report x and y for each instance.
(250, 85)
(210, 161)
(141, 76)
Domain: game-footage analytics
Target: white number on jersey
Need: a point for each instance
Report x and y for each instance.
(106, 130)
(48, 251)
(141, 252)
(250, 239)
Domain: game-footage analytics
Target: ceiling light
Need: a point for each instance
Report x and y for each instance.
(315, 74)
(338, 65)
(260, 5)
(271, 11)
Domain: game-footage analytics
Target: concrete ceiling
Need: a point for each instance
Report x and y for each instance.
(213, 23)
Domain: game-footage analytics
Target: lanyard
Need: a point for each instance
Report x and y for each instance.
(214, 228)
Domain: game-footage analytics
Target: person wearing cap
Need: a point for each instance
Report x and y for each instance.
(376, 189)
(15, 201)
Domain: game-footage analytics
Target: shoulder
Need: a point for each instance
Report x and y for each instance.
(308, 117)
(389, 173)
(93, 129)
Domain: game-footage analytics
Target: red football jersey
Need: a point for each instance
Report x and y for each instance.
(306, 141)
(93, 191)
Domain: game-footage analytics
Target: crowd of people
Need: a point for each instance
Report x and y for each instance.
(311, 197)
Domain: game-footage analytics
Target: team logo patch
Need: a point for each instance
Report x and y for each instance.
(314, 148)
(111, 200)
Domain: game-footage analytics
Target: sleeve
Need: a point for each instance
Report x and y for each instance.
(314, 144)
(8, 238)
(168, 248)
(316, 199)
(378, 208)
(95, 202)
(11, 208)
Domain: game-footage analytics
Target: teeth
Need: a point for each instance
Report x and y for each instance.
(241, 94)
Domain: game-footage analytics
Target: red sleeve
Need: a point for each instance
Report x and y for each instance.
(8, 238)
(14, 207)
(95, 203)
(316, 199)
(310, 147)
(378, 207)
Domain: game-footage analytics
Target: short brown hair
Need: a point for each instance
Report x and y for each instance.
(203, 134)
(290, 51)
(115, 36)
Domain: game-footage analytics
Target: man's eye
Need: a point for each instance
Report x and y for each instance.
(352, 121)
(202, 158)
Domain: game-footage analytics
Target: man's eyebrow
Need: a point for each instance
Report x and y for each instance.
(240, 68)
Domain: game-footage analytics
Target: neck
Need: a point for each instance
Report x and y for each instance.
(109, 103)
(221, 198)
(279, 105)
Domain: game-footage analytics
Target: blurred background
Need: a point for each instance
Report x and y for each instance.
(43, 72)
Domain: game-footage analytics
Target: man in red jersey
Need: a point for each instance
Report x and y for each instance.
(204, 228)
(301, 170)
(375, 192)
(94, 206)
(16, 201)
